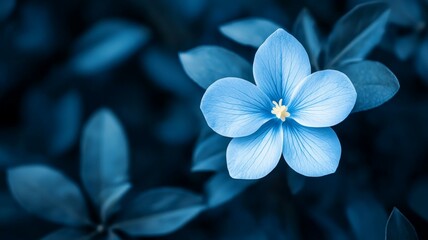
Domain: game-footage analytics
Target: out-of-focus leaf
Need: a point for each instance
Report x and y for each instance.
(210, 153)
(106, 44)
(181, 118)
(295, 181)
(112, 236)
(166, 71)
(104, 156)
(367, 218)
(68, 234)
(111, 198)
(405, 46)
(405, 13)
(6, 7)
(251, 31)
(206, 64)
(356, 33)
(375, 84)
(422, 60)
(159, 212)
(398, 227)
(306, 31)
(48, 194)
(222, 188)
(418, 198)
(67, 115)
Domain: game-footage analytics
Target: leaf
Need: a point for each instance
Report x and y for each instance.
(398, 227)
(406, 13)
(356, 33)
(67, 114)
(48, 194)
(68, 234)
(104, 157)
(367, 218)
(210, 153)
(222, 188)
(295, 181)
(306, 31)
(206, 64)
(111, 198)
(422, 60)
(159, 212)
(418, 198)
(405, 46)
(106, 44)
(375, 84)
(250, 31)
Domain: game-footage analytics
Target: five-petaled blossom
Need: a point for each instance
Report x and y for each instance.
(288, 111)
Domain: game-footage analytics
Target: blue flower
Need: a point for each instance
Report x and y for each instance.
(288, 111)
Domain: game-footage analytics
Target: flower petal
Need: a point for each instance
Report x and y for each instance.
(323, 99)
(255, 156)
(313, 152)
(234, 107)
(280, 64)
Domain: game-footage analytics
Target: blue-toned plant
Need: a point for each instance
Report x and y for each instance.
(287, 112)
(52, 196)
(399, 227)
(408, 36)
(352, 38)
(345, 48)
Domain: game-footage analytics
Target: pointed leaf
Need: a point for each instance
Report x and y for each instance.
(306, 31)
(251, 31)
(375, 84)
(104, 156)
(206, 64)
(210, 153)
(106, 44)
(222, 188)
(159, 212)
(48, 194)
(418, 198)
(398, 227)
(356, 33)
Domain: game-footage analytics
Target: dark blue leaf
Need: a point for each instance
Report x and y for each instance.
(405, 46)
(251, 31)
(67, 115)
(68, 234)
(206, 64)
(295, 181)
(398, 227)
(418, 198)
(222, 188)
(356, 33)
(155, 60)
(406, 13)
(107, 44)
(111, 198)
(104, 157)
(375, 84)
(48, 194)
(422, 60)
(210, 153)
(306, 31)
(112, 236)
(159, 212)
(367, 218)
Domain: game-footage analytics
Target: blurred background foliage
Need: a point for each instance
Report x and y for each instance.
(62, 61)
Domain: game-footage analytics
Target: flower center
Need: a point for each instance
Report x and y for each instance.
(279, 110)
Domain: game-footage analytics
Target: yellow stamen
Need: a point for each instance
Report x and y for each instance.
(279, 110)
